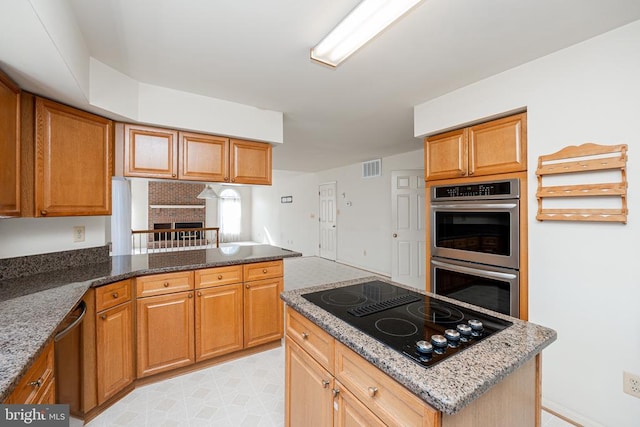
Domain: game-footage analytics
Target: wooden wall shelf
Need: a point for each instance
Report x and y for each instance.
(590, 159)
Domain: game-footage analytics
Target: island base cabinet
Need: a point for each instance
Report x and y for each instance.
(165, 333)
(511, 402)
(393, 403)
(350, 412)
(309, 390)
(114, 350)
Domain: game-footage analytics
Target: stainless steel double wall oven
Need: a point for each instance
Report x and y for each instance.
(475, 241)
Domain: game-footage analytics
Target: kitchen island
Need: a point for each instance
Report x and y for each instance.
(33, 306)
(360, 380)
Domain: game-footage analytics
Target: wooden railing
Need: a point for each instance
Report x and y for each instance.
(174, 239)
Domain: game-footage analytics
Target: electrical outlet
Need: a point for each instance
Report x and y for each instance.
(78, 233)
(631, 384)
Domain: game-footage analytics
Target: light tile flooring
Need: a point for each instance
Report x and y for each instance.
(245, 392)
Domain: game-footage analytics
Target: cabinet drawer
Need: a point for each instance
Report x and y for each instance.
(35, 384)
(217, 276)
(164, 283)
(263, 270)
(315, 341)
(111, 295)
(390, 401)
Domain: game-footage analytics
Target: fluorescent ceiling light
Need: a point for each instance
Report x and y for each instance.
(364, 22)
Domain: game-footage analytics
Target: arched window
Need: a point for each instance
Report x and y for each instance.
(230, 214)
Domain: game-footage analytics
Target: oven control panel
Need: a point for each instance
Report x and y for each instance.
(508, 189)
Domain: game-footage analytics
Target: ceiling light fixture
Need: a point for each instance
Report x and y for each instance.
(207, 193)
(362, 24)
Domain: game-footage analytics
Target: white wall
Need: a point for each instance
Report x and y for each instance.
(363, 229)
(583, 279)
(32, 236)
(287, 225)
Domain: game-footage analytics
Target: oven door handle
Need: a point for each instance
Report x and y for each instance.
(476, 206)
(475, 271)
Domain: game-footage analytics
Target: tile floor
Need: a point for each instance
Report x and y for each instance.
(244, 392)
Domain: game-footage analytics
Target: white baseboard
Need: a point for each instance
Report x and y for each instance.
(568, 415)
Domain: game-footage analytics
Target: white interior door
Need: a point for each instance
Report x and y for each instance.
(327, 217)
(408, 218)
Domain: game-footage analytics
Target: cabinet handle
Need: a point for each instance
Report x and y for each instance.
(304, 335)
(166, 284)
(247, 286)
(103, 317)
(372, 391)
(115, 295)
(199, 293)
(325, 383)
(36, 383)
(226, 178)
(219, 276)
(335, 392)
(44, 212)
(190, 295)
(264, 270)
(173, 175)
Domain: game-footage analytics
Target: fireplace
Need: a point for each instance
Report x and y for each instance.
(162, 236)
(188, 235)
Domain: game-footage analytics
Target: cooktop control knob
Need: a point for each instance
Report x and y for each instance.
(438, 341)
(464, 329)
(476, 326)
(424, 347)
(452, 335)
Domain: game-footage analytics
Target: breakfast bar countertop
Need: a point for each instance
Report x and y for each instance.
(32, 307)
(454, 382)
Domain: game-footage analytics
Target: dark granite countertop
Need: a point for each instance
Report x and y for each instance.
(32, 307)
(476, 369)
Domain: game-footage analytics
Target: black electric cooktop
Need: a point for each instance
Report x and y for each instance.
(424, 329)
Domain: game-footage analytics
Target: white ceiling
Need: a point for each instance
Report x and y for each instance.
(257, 53)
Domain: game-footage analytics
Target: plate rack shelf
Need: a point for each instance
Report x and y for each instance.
(590, 159)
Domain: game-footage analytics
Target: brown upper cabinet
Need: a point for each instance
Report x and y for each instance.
(495, 147)
(9, 147)
(67, 160)
(250, 162)
(151, 152)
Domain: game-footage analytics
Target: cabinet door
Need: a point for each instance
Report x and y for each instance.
(114, 350)
(150, 152)
(218, 321)
(165, 333)
(445, 155)
(350, 412)
(250, 162)
(498, 146)
(35, 385)
(203, 157)
(9, 147)
(263, 312)
(73, 161)
(308, 390)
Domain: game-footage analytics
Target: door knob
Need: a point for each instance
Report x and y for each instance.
(395, 235)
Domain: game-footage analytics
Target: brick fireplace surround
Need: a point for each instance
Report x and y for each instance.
(175, 193)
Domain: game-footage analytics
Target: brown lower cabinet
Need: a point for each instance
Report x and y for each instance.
(38, 384)
(328, 384)
(263, 317)
(219, 321)
(114, 350)
(165, 332)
